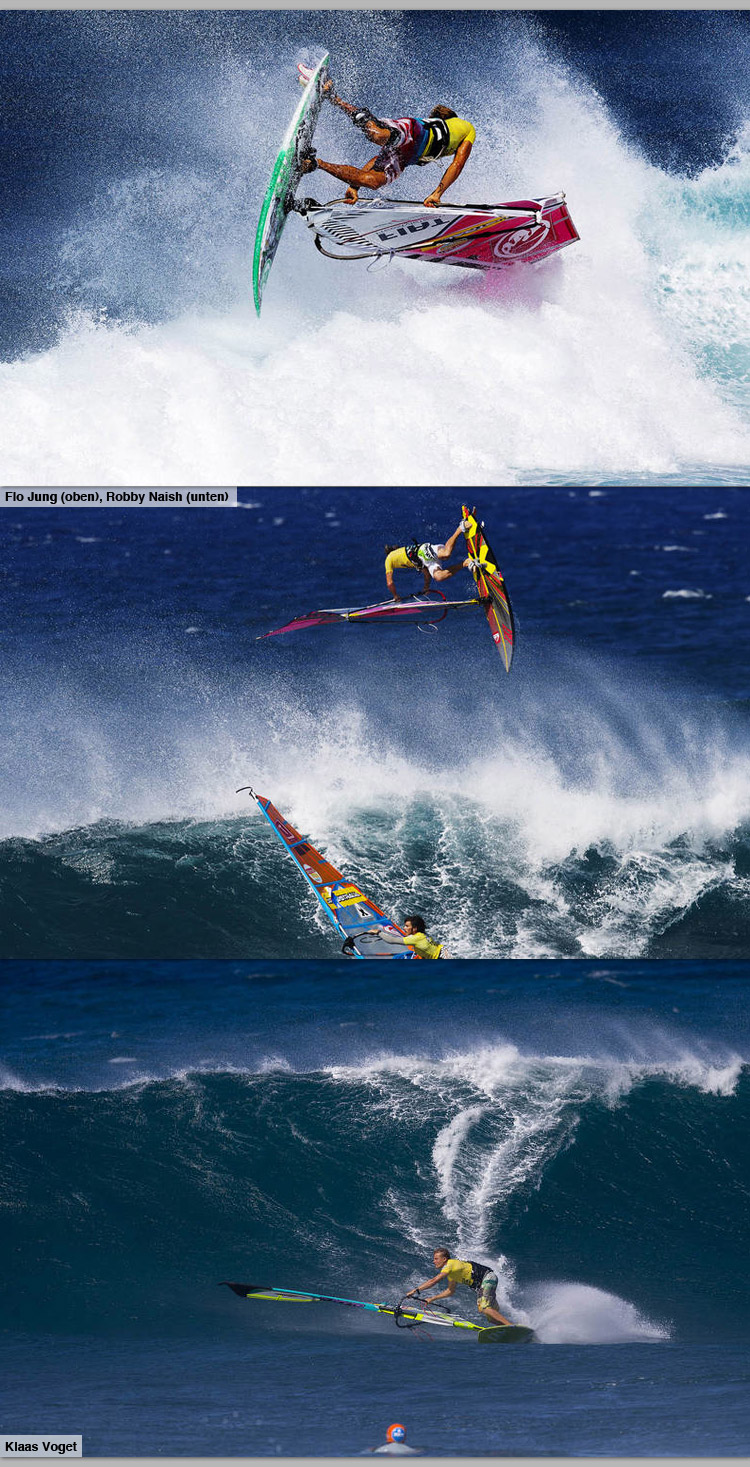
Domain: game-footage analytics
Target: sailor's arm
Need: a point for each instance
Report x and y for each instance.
(386, 935)
(446, 1293)
(451, 174)
(428, 1285)
(360, 116)
(389, 569)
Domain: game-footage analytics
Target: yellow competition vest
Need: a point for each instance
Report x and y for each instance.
(422, 945)
(446, 137)
(458, 1272)
(398, 560)
(460, 132)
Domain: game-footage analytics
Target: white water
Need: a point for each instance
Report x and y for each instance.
(626, 356)
(575, 1314)
(509, 1115)
(655, 787)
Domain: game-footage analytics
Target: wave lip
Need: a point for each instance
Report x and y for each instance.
(533, 1162)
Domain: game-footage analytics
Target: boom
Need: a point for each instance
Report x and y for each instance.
(430, 606)
(406, 1316)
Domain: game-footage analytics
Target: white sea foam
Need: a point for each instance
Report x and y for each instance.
(507, 1115)
(624, 356)
(650, 788)
(501, 1116)
(686, 594)
(576, 1314)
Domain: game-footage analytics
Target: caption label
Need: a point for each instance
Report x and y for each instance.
(118, 498)
(49, 1445)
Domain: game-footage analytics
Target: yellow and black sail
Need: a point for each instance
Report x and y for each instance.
(491, 587)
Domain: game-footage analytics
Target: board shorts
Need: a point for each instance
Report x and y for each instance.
(487, 1292)
(428, 557)
(412, 141)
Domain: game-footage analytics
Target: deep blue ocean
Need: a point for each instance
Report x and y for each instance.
(581, 1126)
(136, 150)
(594, 803)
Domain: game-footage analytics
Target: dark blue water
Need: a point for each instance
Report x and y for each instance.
(593, 803)
(168, 1125)
(136, 152)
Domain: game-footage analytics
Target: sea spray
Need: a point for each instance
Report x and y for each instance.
(623, 359)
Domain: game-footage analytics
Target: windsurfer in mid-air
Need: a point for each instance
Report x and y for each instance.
(401, 142)
(426, 558)
(478, 1277)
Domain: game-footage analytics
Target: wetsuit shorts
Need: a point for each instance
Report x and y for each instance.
(428, 557)
(413, 137)
(487, 1291)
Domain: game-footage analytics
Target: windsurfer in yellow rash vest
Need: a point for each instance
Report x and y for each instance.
(415, 937)
(478, 1277)
(427, 558)
(401, 142)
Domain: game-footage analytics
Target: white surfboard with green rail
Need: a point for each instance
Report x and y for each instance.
(285, 177)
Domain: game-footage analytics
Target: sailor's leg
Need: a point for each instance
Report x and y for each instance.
(367, 177)
(488, 1312)
(445, 551)
(361, 117)
(487, 1300)
(445, 573)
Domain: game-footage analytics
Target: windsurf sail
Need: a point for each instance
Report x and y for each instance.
(357, 919)
(479, 236)
(405, 1313)
(491, 587)
(279, 198)
(430, 607)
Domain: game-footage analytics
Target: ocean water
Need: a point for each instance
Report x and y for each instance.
(594, 803)
(169, 1125)
(137, 149)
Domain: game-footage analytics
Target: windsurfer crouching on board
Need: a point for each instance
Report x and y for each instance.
(478, 1277)
(401, 141)
(425, 558)
(414, 936)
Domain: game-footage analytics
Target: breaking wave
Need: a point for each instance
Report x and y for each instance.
(156, 371)
(608, 1193)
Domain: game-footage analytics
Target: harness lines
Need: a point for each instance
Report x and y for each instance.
(439, 141)
(478, 1271)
